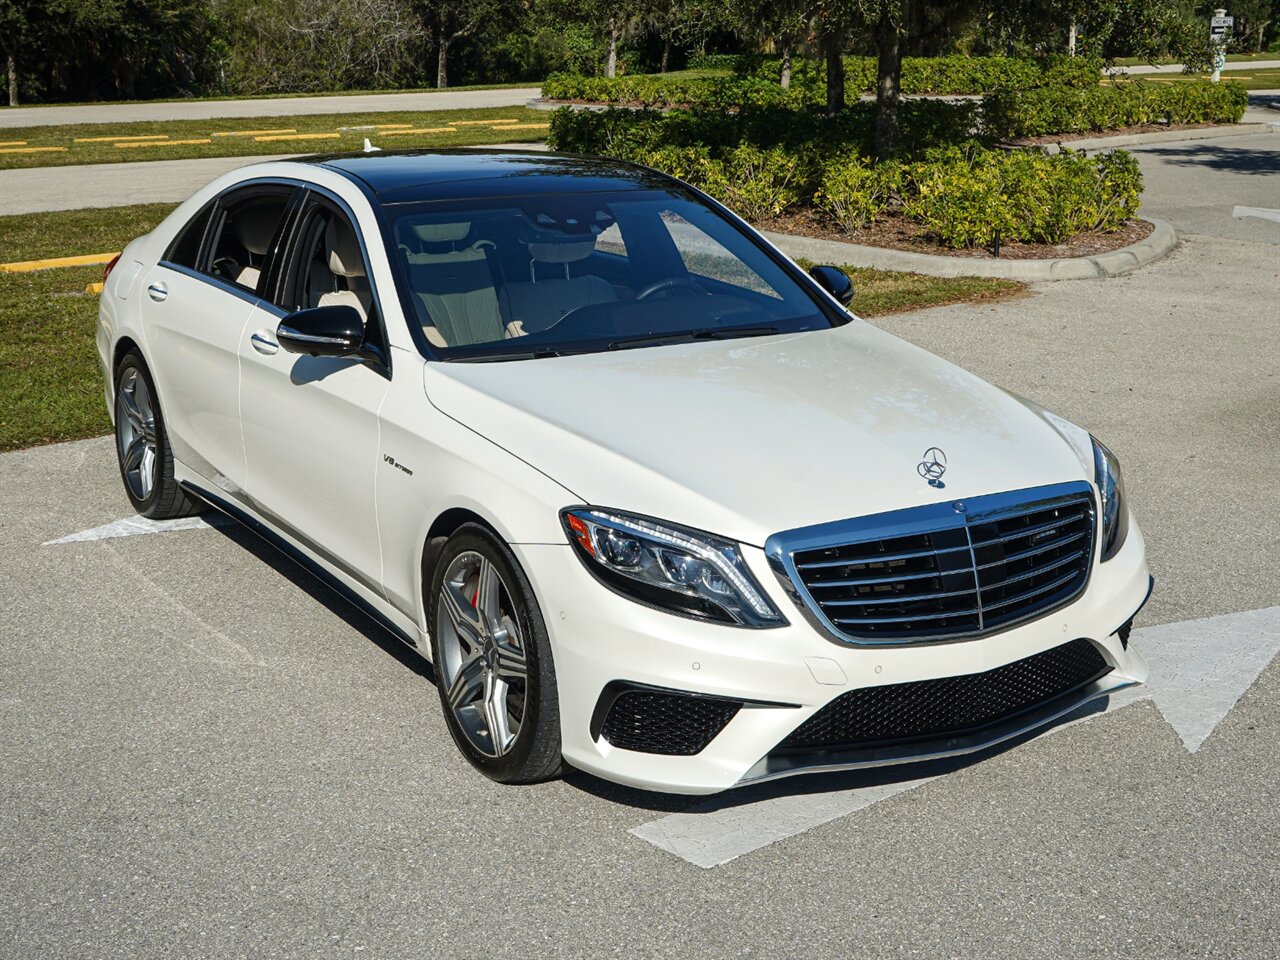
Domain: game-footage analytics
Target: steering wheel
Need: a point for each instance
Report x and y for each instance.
(226, 267)
(670, 283)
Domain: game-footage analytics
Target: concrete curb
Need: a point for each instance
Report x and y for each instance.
(1163, 239)
(1161, 136)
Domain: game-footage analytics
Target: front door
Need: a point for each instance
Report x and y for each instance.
(311, 423)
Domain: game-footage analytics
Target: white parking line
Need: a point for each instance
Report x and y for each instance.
(1262, 213)
(1199, 669)
(136, 526)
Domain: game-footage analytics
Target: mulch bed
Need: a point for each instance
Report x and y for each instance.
(1066, 138)
(899, 233)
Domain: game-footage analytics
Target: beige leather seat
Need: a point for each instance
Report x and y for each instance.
(347, 282)
(451, 277)
(254, 225)
(534, 306)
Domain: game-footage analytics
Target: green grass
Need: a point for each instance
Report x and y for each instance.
(224, 146)
(1268, 79)
(50, 385)
(1231, 58)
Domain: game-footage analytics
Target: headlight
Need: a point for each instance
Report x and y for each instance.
(674, 568)
(1115, 515)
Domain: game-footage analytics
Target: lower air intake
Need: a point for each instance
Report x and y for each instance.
(949, 706)
(671, 723)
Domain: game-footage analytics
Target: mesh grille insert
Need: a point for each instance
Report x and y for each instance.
(676, 724)
(931, 709)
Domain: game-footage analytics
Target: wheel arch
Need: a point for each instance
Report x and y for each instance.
(441, 529)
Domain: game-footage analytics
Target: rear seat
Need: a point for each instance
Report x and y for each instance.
(539, 304)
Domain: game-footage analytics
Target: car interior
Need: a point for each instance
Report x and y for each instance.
(244, 239)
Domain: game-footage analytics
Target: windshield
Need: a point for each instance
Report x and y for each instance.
(526, 277)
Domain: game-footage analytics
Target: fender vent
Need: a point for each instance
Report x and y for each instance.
(666, 722)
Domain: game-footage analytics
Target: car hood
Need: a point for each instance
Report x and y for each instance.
(745, 438)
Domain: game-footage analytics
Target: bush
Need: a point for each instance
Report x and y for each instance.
(965, 197)
(1010, 114)
(948, 75)
(756, 184)
(854, 192)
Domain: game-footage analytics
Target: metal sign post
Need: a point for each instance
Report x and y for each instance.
(1219, 30)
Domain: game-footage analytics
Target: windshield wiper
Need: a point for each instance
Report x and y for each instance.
(692, 336)
(513, 355)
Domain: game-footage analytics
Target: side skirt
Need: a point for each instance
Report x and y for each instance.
(302, 559)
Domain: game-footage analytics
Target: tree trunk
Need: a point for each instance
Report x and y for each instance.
(888, 86)
(1071, 39)
(611, 64)
(834, 44)
(786, 65)
(13, 80)
(666, 55)
(442, 63)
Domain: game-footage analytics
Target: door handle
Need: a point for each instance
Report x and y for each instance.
(157, 291)
(264, 342)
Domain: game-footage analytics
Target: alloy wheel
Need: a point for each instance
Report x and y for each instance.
(484, 669)
(136, 433)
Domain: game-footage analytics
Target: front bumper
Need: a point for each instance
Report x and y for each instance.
(786, 675)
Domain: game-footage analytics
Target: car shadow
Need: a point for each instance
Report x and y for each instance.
(332, 601)
(1217, 156)
(816, 783)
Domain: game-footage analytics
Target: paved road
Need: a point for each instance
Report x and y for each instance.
(268, 107)
(206, 754)
(1177, 67)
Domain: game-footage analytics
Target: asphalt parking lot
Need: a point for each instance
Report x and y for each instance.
(207, 754)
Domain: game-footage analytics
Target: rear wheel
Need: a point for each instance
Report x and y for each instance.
(493, 660)
(142, 446)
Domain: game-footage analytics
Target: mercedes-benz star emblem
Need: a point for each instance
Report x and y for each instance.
(933, 466)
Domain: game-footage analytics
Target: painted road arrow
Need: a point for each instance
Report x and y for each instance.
(1199, 669)
(137, 526)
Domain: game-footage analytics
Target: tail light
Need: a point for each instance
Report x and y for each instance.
(110, 266)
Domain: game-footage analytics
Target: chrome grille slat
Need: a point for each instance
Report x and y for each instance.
(988, 566)
(874, 558)
(1035, 551)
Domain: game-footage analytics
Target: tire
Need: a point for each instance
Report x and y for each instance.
(142, 446)
(492, 660)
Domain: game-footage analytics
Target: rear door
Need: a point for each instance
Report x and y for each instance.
(196, 303)
(311, 423)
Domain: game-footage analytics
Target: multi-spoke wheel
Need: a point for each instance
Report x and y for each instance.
(146, 462)
(492, 660)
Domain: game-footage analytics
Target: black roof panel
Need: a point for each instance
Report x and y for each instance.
(423, 175)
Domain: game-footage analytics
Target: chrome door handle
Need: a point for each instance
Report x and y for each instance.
(157, 291)
(264, 343)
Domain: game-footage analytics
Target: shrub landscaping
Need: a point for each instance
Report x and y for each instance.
(763, 163)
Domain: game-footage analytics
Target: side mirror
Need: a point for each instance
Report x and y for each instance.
(335, 331)
(835, 281)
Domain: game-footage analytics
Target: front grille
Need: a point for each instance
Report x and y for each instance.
(672, 723)
(949, 571)
(949, 706)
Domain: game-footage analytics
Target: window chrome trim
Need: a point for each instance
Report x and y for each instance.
(248, 296)
(781, 548)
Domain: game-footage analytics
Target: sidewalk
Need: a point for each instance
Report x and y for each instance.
(1177, 67)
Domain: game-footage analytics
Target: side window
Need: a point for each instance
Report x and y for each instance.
(245, 231)
(327, 266)
(186, 245)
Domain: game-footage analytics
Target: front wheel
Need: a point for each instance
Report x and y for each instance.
(142, 446)
(493, 660)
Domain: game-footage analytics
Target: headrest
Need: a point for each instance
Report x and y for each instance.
(562, 252)
(344, 249)
(441, 232)
(255, 224)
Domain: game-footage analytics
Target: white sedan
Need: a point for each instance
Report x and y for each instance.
(649, 498)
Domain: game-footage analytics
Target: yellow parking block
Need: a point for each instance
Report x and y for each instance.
(32, 149)
(26, 266)
(253, 133)
(398, 133)
(392, 126)
(526, 126)
(301, 136)
(13, 143)
(150, 136)
(479, 123)
(160, 143)
(93, 287)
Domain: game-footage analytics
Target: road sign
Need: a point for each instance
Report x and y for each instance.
(1219, 27)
